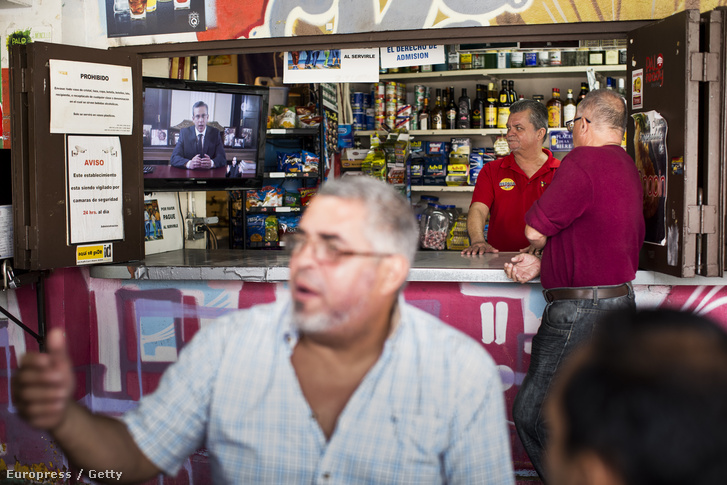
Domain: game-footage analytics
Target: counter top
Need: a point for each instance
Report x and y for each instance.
(272, 267)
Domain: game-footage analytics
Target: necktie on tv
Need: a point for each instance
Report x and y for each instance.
(199, 144)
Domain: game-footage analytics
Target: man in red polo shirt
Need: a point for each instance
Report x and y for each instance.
(506, 188)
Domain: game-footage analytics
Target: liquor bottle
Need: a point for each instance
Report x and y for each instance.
(569, 108)
(503, 108)
(438, 112)
(490, 113)
(424, 116)
(583, 93)
(451, 120)
(621, 87)
(464, 111)
(555, 110)
(478, 108)
(511, 91)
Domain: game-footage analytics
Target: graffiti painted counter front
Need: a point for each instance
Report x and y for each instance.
(126, 323)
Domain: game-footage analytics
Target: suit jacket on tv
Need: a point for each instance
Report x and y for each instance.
(186, 147)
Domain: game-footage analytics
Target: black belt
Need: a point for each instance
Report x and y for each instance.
(594, 293)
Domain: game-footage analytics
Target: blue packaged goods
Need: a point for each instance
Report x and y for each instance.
(255, 229)
(435, 166)
(289, 162)
(438, 147)
(310, 161)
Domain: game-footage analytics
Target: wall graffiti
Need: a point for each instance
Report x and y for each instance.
(130, 331)
(282, 18)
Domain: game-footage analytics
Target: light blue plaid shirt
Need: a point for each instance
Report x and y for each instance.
(431, 410)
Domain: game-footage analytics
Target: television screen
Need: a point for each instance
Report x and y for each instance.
(201, 135)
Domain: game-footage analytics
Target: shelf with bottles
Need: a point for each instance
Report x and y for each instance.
(505, 72)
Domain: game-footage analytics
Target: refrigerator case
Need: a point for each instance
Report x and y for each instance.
(676, 136)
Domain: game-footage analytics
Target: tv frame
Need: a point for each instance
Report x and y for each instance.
(202, 183)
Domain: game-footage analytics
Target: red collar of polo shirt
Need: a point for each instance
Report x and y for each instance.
(549, 164)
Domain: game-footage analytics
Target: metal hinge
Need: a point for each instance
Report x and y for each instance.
(704, 66)
(701, 219)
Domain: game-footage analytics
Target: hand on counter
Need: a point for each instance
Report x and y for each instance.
(523, 268)
(479, 248)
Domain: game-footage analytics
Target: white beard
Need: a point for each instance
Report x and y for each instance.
(318, 322)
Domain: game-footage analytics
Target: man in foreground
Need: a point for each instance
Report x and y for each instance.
(199, 146)
(591, 227)
(644, 403)
(507, 187)
(342, 382)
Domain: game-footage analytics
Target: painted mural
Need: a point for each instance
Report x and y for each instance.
(278, 18)
(123, 334)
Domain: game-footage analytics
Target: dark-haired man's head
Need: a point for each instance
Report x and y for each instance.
(644, 403)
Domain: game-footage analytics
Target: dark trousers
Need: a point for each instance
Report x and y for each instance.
(565, 325)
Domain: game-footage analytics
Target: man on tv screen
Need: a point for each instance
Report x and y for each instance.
(199, 146)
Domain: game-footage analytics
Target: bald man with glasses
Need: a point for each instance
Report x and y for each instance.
(340, 382)
(590, 227)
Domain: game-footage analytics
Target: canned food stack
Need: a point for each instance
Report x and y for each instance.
(391, 101)
(379, 99)
(370, 111)
(359, 114)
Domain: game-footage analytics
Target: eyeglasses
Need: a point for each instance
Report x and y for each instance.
(569, 124)
(325, 251)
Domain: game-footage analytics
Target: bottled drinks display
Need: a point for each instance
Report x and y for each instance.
(491, 107)
(478, 108)
(569, 108)
(511, 91)
(439, 109)
(464, 111)
(451, 118)
(424, 116)
(503, 107)
(583, 93)
(555, 110)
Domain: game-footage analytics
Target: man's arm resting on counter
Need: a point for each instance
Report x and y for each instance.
(537, 240)
(476, 218)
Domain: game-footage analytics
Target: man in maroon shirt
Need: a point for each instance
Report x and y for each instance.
(506, 188)
(590, 226)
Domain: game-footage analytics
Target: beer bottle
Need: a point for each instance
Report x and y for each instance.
(464, 111)
(621, 87)
(555, 110)
(438, 113)
(582, 94)
(451, 120)
(490, 113)
(424, 116)
(478, 108)
(569, 108)
(503, 108)
(511, 91)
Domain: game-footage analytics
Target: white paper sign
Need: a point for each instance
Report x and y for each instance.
(90, 98)
(95, 200)
(332, 66)
(6, 231)
(163, 224)
(411, 55)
